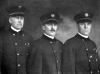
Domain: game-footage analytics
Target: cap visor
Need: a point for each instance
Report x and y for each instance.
(84, 20)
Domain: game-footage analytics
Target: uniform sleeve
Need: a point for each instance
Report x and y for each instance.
(34, 63)
(68, 60)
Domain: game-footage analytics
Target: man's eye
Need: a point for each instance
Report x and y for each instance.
(89, 23)
(81, 24)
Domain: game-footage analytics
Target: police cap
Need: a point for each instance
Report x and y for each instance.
(51, 17)
(16, 11)
(83, 17)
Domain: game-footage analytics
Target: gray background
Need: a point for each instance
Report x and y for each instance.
(67, 10)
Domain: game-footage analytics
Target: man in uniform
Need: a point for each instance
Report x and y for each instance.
(46, 54)
(16, 43)
(80, 52)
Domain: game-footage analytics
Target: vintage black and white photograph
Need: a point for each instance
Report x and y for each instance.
(49, 36)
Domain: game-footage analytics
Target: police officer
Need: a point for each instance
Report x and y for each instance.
(16, 43)
(80, 52)
(46, 54)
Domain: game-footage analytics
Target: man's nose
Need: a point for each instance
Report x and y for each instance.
(86, 25)
(53, 25)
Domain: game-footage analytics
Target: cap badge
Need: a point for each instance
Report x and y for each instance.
(86, 14)
(19, 6)
(52, 15)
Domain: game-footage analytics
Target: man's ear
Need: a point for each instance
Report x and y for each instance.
(10, 20)
(43, 27)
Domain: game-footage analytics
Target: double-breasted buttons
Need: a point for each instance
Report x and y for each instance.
(27, 44)
(93, 60)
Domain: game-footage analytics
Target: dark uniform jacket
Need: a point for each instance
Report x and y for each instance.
(16, 48)
(45, 58)
(80, 56)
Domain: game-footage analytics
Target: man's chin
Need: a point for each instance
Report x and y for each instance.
(52, 34)
(86, 34)
(19, 28)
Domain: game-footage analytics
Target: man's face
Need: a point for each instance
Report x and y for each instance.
(50, 29)
(17, 22)
(85, 28)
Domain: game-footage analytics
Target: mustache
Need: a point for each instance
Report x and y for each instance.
(52, 30)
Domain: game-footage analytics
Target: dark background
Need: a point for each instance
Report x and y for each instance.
(67, 10)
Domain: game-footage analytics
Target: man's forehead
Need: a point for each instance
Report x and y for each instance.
(85, 23)
(16, 17)
(51, 24)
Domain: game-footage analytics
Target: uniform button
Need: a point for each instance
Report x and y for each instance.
(98, 71)
(96, 60)
(87, 49)
(89, 60)
(16, 43)
(25, 43)
(18, 54)
(22, 34)
(54, 51)
(14, 34)
(51, 42)
(28, 43)
(57, 61)
(19, 65)
(91, 56)
(91, 72)
(58, 72)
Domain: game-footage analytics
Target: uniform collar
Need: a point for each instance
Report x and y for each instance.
(51, 37)
(15, 29)
(14, 32)
(83, 35)
(48, 38)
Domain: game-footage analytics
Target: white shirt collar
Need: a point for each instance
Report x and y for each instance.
(51, 37)
(15, 29)
(83, 35)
